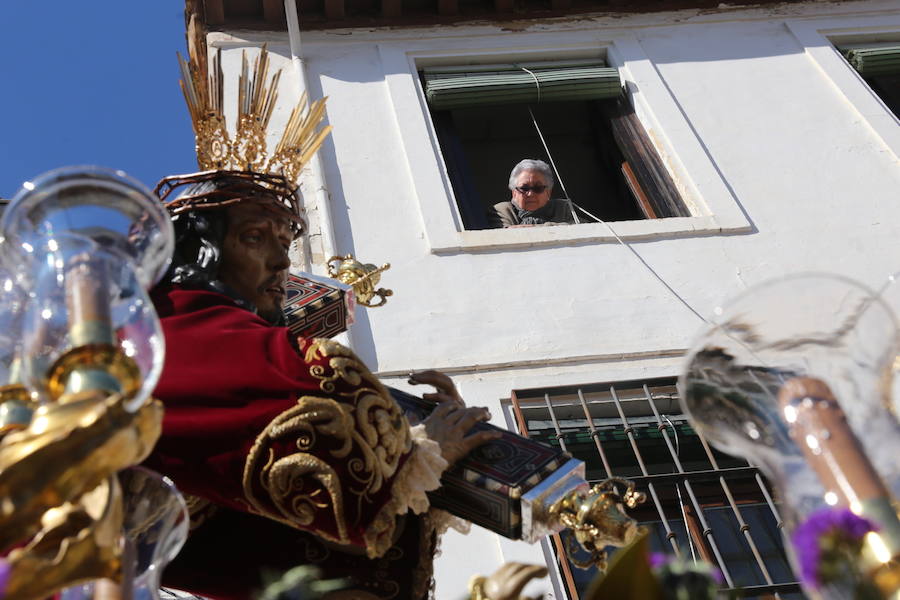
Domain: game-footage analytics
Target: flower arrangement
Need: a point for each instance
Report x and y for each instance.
(635, 573)
(682, 579)
(4, 576)
(829, 547)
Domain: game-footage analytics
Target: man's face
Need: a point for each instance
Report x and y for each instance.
(531, 198)
(255, 256)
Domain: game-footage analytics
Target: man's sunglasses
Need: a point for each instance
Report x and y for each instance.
(537, 189)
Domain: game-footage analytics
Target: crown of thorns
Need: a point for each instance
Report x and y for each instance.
(217, 189)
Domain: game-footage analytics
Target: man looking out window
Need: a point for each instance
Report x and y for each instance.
(531, 184)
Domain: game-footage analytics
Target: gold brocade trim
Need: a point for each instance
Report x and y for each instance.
(358, 423)
(283, 478)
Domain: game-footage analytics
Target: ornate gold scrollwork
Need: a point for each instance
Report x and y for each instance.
(597, 519)
(59, 494)
(363, 278)
(78, 541)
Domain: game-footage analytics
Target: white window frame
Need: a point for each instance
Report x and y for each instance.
(712, 204)
(819, 39)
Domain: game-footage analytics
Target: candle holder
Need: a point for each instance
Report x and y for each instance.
(91, 242)
(796, 378)
(17, 404)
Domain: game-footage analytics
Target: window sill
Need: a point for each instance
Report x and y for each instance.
(562, 235)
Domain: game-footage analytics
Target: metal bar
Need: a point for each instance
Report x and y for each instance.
(698, 509)
(566, 567)
(695, 476)
(744, 528)
(779, 522)
(595, 434)
(557, 540)
(707, 533)
(520, 418)
(670, 535)
(755, 591)
(762, 486)
(684, 516)
(559, 434)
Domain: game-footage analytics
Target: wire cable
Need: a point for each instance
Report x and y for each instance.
(555, 170)
(608, 226)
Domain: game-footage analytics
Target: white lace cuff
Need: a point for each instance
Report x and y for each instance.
(421, 473)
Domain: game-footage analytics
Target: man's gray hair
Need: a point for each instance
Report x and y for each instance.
(531, 164)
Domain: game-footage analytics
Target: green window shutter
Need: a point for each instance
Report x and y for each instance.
(511, 84)
(874, 59)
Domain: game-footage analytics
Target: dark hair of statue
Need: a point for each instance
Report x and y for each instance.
(199, 235)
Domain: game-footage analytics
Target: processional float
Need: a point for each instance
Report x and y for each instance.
(82, 349)
(796, 377)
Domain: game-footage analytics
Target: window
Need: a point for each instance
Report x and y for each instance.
(489, 117)
(879, 65)
(712, 205)
(700, 503)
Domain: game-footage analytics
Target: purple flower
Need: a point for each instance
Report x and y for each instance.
(828, 542)
(4, 576)
(658, 559)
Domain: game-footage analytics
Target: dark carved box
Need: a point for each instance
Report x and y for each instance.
(487, 486)
(317, 306)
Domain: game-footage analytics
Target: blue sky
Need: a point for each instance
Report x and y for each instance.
(92, 83)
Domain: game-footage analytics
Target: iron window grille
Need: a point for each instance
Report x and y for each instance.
(701, 503)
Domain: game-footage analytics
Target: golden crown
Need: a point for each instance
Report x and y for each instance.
(247, 151)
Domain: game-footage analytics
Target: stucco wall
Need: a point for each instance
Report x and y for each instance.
(753, 117)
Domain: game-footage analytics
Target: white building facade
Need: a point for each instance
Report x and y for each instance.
(785, 158)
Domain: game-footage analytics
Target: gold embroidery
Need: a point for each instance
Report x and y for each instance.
(382, 432)
(359, 423)
(296, 483)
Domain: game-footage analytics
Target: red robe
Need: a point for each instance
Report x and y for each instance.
(281, 436)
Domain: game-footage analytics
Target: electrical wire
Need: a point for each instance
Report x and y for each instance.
(553, 164)
(622, 242)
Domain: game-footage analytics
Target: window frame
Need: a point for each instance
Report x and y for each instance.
(713, 207)
(820, 40)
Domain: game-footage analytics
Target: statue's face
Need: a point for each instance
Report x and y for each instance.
(255, 256)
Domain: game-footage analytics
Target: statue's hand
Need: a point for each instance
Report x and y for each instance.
(507, 582)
